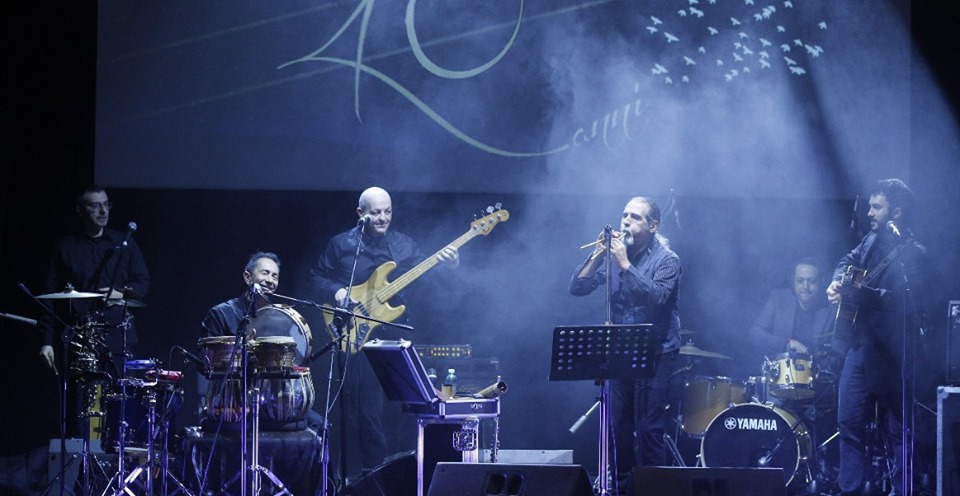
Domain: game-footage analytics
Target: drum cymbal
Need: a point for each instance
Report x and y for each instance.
(69, 294)
(127, 303)
(692, 350)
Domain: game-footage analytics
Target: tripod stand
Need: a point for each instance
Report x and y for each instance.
(90, 465)
(151, 464)
(601, 353)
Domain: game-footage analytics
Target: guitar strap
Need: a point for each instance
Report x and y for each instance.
(877, 269)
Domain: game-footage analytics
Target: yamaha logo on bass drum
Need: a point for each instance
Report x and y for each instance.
(750, 424)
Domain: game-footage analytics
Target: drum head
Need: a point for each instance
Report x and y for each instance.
(279, 320)
(754, 435)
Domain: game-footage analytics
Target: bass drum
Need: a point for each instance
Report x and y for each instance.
(754, 435)
(281, 320)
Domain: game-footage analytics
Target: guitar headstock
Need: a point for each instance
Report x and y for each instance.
(486, 223)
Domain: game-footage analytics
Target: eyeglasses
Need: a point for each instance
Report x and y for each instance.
(107, 205)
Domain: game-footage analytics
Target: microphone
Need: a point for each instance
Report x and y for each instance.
(492, 391)
(17, 318)
(255, 288)
(893, 228)
(365, 220)
(853, 216)
(194, 359)
(131, 226)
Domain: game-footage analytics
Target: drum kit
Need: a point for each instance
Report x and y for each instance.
(785, 417)
(129, 403)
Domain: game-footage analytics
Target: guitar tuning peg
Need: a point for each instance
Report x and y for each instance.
(497, 205)
(489, 209)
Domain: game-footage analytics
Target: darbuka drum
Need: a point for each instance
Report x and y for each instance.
(791, 377)
(274, 353)
(753, 435)
(704, 398)
(279, 320)
(284, 397)
(224, 400)
(287, 397)
(218, 353)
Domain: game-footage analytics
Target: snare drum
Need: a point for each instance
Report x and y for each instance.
(218, 353)
(704, 398)
(274, 353)
(280, 320)
(791, 377)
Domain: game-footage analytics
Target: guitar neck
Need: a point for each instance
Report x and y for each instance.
(390, 290)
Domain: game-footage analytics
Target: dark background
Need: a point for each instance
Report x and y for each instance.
(511, 289)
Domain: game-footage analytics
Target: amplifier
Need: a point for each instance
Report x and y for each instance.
(473, 373)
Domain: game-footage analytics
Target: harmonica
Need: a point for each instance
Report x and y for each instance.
(615, 234)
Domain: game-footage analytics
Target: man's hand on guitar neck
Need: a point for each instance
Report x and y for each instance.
(449, 256)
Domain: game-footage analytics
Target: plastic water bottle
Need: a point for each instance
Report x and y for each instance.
(450, 383)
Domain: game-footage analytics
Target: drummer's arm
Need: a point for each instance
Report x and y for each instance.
(794, 345)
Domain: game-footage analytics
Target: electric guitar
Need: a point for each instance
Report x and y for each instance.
(373, 296)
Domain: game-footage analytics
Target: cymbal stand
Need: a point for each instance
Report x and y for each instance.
(88, 460)
(124, 326)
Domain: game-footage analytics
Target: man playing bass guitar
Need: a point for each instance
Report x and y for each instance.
(330, 281)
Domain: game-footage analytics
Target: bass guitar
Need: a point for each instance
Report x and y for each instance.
(373, 296)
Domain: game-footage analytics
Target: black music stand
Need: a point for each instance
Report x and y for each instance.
(602, 352)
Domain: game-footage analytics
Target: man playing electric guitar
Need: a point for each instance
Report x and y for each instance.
(330, 281)
(888, 296)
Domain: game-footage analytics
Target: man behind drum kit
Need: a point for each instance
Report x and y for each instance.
(791, 319)
(261, 275)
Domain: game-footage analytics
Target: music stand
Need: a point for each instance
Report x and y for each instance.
(400, 371)
(599, 353)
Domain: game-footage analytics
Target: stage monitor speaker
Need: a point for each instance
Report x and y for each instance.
(695, 481)
(953, 341)
(496, 479)
(948, 440)
(397, 476)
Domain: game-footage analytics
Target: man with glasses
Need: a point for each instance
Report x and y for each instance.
(92, 261)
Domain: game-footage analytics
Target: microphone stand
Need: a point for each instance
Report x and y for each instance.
(125, 327)
(908, 391)
(604, 398)
(341, 315)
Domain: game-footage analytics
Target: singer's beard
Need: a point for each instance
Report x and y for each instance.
(627, 238)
